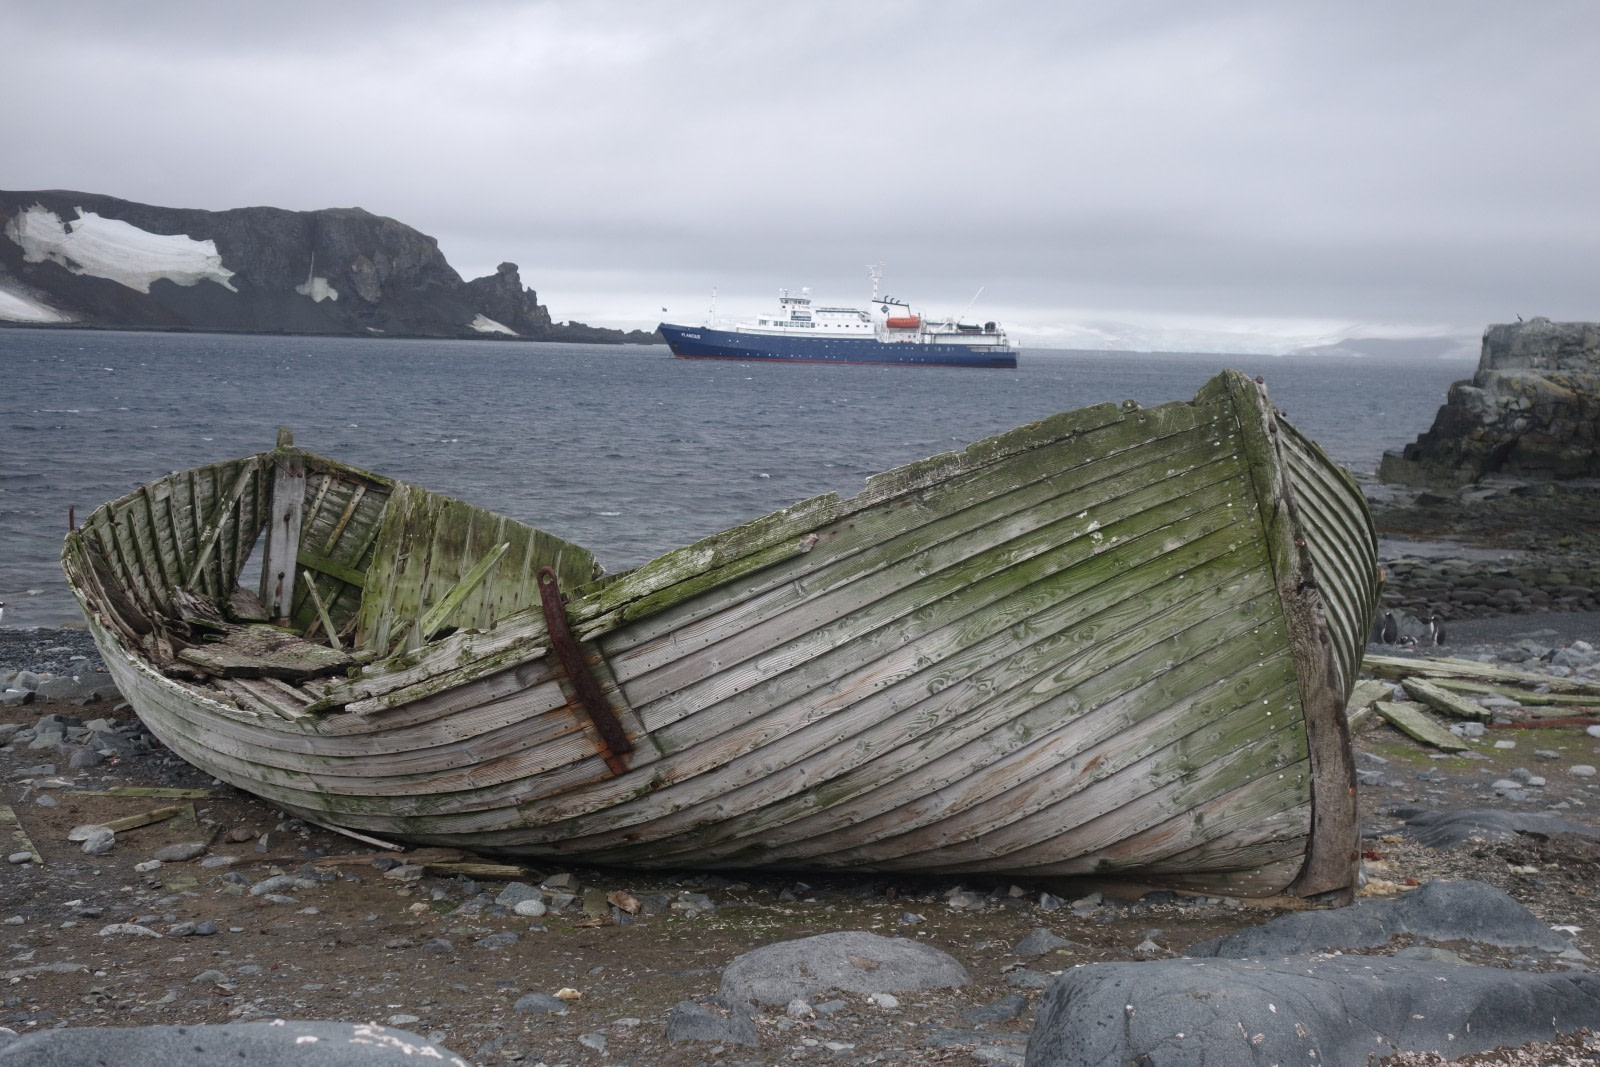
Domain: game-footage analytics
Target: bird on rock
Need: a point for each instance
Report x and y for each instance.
(1435, 630)
(1391, 629)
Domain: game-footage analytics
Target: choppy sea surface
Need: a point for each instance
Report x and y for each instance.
(624, 450)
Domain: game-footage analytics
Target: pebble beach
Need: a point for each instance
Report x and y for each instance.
(221, 910)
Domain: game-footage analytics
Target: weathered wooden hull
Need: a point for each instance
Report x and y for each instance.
(1115, 643)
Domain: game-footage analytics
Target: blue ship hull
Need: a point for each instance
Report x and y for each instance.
(698, 342)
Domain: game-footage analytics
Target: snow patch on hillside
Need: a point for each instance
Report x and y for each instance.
(484, 324)
(14, 307)
(113, 249)
(317, 289)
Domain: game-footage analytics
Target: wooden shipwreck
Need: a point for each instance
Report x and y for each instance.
(1116, 642)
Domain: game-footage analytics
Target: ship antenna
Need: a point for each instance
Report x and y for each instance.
(974, 300)
(713, 305)
(875, 272)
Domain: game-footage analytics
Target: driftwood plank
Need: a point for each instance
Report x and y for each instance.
(1402, 667)
(1410, 720)
(144, 818)
(1522, 696)
(157, 792)
(20, 842)
(1438, 699)
(1359, 708)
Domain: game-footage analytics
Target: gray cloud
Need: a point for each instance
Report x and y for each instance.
(1426, 165)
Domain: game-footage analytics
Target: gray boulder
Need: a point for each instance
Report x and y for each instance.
(1439, 911)
(1041, 941)
(1450, 829)
(852, 961)
(1330, 1010)
(274, 1044)
(722, 1022)
(70, 687)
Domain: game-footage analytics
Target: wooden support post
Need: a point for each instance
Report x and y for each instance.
(322, 610)
(435, 617)
(283, 531)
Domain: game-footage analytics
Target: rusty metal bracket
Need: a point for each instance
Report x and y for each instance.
(615, 740)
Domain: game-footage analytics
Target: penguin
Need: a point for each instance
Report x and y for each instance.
(1435, 630)
(1391, 629)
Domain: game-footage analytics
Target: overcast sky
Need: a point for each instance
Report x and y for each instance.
(1269, 172)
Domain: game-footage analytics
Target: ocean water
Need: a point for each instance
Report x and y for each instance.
(624, 450)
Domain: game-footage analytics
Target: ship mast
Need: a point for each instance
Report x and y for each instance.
(974, 300)
(875, 272)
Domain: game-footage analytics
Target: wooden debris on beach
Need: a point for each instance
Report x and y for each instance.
(1399, 668)
(1358, 709)
(160, 792)
(1447, 684)
(442, 861)
(508, 871)
(1411, 720)
(128, 822)
(1521, 696)
(1420, 689)
(20, 842)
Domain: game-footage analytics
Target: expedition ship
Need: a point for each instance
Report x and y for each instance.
(886, 331)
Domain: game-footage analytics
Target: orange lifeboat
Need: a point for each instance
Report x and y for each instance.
(904, 322)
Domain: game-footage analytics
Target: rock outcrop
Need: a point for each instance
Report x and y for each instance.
(69, 258)
(1532, 410)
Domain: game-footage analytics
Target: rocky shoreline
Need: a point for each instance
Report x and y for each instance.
(1505, 547)
(222, 910)
(208, 906)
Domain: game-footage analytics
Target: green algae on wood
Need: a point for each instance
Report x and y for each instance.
(1412, 721)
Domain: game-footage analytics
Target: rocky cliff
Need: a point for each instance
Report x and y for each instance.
(1532, 410)
(89, 260)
